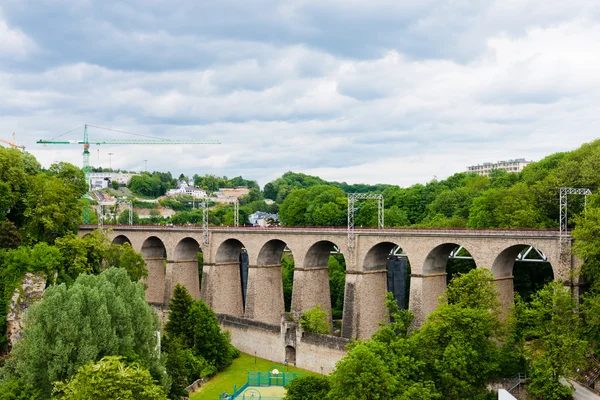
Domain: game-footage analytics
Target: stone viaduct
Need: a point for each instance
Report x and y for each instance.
(427, 250)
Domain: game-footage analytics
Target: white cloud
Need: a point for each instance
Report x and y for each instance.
(527, 88)
(13, 42)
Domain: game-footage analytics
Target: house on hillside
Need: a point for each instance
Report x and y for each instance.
(184, 188)
(264, 219)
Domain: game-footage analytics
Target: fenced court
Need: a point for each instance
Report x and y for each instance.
(262, 393)
(263, 386)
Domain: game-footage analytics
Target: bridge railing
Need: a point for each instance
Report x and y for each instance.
(532, 231)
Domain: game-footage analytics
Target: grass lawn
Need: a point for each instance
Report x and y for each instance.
(237, 373)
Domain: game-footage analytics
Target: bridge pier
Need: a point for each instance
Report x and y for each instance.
(506, 293)
(364, 303)
(222, 288)
(184, 272)
(155, 280)
(264, 296)
(425, 289)
(311, 287)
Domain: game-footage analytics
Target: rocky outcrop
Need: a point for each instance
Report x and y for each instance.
(30, 291)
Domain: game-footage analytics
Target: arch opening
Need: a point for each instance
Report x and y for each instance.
(120, 240)
(459, 262)
(392, 259)
(528, 267)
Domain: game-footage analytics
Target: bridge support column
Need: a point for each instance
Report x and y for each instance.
(424, 293)
(311, 287)
(222, 288)
(364, 303)
(185, 273)
(156, 280)
(506, 293)
(264, 296)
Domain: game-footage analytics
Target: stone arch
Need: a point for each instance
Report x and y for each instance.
(229, 251)
(154, 253)
(154, 247)
(121, 239)
(270, 253)
(265, 300)
(376, 257)
(182, 268)
(186, 249)
(318, 254)
(503, 269)
(437, 258)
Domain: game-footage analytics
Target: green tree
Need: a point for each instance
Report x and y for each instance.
(458, 340)
(53, 209)
(115, 185)
(180, 306)
(124, 218)
(123, 256)
(110, 378)
(71, 326)
(9, 235)
(307, 388)
(17, 389)
(555, 346)
(315, 320)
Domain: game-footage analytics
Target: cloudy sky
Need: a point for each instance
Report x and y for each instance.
(351, 90)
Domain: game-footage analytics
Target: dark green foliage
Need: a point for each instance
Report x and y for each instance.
(115, 185)
(124, 218)
(316, 206)
(9, 235)
(194, 342)
(555, 344)
(152, 185)
(287, 275)
(178, 325)
(97, 316)
(452, 356)
(337, 284)
(307, 388)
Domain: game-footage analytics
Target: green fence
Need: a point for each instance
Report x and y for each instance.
(263, 379)
(271, 379)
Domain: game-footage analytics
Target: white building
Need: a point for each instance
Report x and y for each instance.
(183, 188)
(261, 218)
(101, 180)
(484, 169)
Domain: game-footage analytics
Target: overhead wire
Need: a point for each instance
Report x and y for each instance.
(127, 133)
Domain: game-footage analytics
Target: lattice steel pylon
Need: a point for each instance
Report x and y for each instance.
(205, 236)
(352, 198)
(565, 238)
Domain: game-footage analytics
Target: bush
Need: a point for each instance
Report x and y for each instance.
(315, 320)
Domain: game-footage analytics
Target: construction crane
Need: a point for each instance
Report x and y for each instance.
(13, 143)
(86, 148)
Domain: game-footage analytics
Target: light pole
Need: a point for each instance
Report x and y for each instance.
(146, 165)
(110, 160)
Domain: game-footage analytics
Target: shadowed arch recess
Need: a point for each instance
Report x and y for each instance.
(121, 239)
